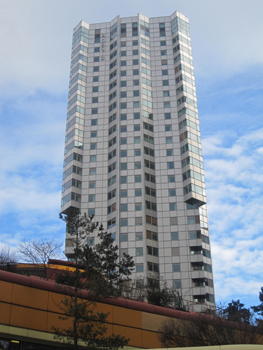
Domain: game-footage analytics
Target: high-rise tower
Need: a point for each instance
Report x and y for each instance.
(133, 153)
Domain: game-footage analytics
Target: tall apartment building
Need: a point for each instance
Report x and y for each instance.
(133, 155)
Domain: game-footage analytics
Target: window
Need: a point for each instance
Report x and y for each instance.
(166, 105)
(112, 194)
(111, 167)
(176, 268)
(96, 59)
(138, 206)
(163, 52)
(137, 165)
(94, 111)
(139, 236)
(135, 42)
(112, 208)
(165, 82)
(92, 171)
(173, 221)
(123, 53)
(151, 220)
(91, 212)
(139, 251)
(123, 179)
(175, 251)
(93, 158)
(164, 62)
(123, 237)
(92, 197)
(123, 140)
(166, 93)
(97, 35)
(136, 72)
(124, 207)
(163, 43)
(170, 165)
(169, 152)
(135, 82)
(95, 89)
(135, 93)
(137, 152)
(138, 192)
(171, 178)
(96, 69)
(93, 134)
(93, 122)
(174, 236)
(92, 184)
(137, 139)
(171, 193)
(123, 63)
(123, 128)
(165, 72)
(167, 115)
(136, 115)
(123, 166)
(169, 140)
(123, 83)
(172, 206)
(123, 193)
(123, 73)
(123, 222)
(135, 52)
(93, 146)
(111, 222)
(112, 180)
(168, 127)
(137, 178)
(112, 141)
(138, 221)
(123, 105)
(177, 284)
(123, 94)
(191, 220)
(95, 79)
(136, 104)
(139, 268)
(96, 49)
(123, 116)
(136, 127)
(95, 99)
(123, 153)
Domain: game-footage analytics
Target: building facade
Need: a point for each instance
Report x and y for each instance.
(133, 155)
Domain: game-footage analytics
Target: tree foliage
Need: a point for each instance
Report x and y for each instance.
(101, 273)
(236, 312)
(259, 309)
(230, 326)
(7, 259)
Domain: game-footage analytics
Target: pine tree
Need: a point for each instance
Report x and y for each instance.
(101, 273)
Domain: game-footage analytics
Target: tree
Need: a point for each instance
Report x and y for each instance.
(39, 252)
(259, 309)
(159, 293)
(101, 273)
(236, 312)
(202, 330)
(7, 259)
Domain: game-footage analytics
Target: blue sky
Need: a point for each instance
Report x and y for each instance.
(228, 58)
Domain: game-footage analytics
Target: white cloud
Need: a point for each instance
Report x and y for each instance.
(234, 189)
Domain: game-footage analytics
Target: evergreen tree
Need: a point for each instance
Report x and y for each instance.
(101, 273)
